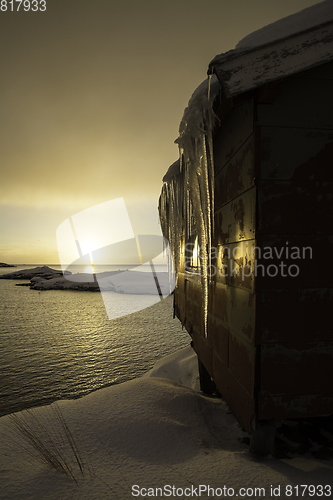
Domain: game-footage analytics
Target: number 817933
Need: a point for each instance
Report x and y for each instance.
(16, 5)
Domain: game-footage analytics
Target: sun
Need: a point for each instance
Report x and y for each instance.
(90, 269)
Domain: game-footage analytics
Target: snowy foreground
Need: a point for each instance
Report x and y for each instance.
(149, 437)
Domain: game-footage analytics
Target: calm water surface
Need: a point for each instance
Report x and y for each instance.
(60, 344)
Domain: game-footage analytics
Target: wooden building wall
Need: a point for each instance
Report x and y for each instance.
(295, 204)
(269, 347)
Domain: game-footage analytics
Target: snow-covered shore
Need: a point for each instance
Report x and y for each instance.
(133, 282)
(46, 278)
(44, 272)
(150, 432)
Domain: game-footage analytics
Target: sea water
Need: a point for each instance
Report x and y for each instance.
(60, 344)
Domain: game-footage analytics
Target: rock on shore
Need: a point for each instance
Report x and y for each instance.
(83, 282)
(46, 278)
(44, 272)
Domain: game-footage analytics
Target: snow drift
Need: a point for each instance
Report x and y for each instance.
(149, 432)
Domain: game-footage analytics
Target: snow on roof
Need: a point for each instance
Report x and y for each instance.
(288, 46)
(304, 20)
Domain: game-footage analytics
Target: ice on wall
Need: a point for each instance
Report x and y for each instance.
(195, 189)
(170, 212)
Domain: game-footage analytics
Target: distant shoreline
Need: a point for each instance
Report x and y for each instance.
(131, 282)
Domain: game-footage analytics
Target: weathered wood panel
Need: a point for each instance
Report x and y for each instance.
(180, 305)
(194, 315)
(306, 105)
(289, 261)
(301, 314)
(294, 406)
(243, 405)
(235, 264)
(193, 289)
(238, 399)
(296, 368)
(235, 308)
(322, 72)
(239, 72)
(181, 282)
(218, 301)
(242, 359)
(193, 321)
(242, 318)
(236, 176)
(188, 326)
(221, 375)
(181, 268)
(286, 320)
(309, 154)
(236, 130)
(236, 221)
(287, 207)
(218, 335)
(268, 93)
(204, 350)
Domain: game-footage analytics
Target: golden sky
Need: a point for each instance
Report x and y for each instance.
(91, 96)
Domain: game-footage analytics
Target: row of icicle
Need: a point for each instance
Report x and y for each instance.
(193, 189)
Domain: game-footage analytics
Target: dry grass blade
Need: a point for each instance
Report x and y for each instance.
(70, 439)
(51, 440)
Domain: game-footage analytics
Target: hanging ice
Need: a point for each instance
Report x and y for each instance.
(170, 210)
(194, 187)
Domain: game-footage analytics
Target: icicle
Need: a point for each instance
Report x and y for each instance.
(209, 82)
(171, 219)
(196, 145)
(193, 189)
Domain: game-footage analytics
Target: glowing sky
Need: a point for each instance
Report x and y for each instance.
(91, 96)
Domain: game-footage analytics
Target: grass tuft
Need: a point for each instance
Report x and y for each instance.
(52, 440)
